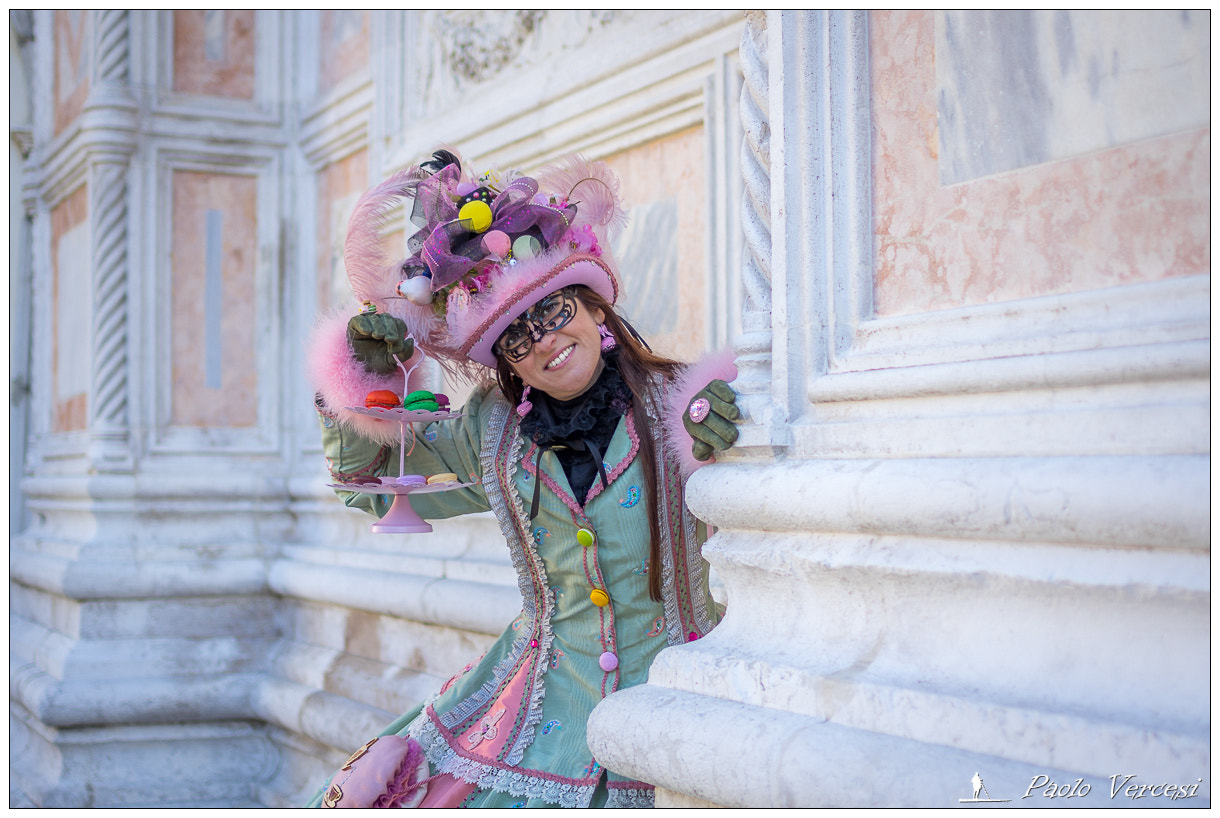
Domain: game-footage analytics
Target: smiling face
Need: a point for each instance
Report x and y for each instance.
(563, 362)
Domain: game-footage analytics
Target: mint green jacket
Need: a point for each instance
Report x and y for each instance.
(513, 724)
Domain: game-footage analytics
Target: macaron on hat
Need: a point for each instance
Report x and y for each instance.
(486, 249)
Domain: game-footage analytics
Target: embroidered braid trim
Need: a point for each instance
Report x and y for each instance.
(471, 706)
(686, 607)
(501, 453)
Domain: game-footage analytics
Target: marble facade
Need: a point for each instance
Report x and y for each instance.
(188, 595)
(970, 496)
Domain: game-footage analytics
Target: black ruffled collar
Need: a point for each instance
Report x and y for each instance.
(578, 430)
(595, 413)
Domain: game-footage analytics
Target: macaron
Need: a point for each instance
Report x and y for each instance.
(420, 400)
(381, 399)
(358, 479)
(411, 480)
(443, 477)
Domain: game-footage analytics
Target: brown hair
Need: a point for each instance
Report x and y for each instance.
(637, 364)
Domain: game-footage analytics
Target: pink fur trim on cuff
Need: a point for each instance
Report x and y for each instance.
(342, 381)
(717, 365)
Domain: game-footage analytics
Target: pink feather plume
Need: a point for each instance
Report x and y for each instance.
(592, 187)
(373, 274)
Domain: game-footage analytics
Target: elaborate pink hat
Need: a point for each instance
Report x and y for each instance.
(487, 250)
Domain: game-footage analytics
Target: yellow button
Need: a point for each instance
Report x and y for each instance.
(585, 537)
(478, 214)
(599, 597)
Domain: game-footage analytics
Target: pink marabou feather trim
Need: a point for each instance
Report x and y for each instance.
(716, 365)
(342, 381)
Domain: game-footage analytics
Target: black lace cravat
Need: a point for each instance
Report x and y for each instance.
(579, 430)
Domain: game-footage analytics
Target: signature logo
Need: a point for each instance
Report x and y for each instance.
(978, 787)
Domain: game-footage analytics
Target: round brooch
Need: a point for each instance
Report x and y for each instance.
(699, 409)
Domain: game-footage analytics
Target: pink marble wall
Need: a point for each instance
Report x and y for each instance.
(1139, 212)
(234, 402)
(71, 82)
(673, 168)
(214, 53)
(344, 43)
(68, 412)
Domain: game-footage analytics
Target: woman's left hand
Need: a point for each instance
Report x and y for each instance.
(710, 419)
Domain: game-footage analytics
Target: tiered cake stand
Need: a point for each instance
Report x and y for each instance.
(401, 518)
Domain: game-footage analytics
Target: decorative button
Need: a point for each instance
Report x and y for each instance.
(524, 247)
(607, 662)
(692, 637)
(533, 643)
(585, 537)
(599, 597)
(477, 215)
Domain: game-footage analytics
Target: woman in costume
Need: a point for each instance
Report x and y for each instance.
(580, 443)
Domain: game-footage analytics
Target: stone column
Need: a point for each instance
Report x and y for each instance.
(969, 543)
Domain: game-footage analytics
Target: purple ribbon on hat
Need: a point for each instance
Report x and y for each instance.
(449, 247)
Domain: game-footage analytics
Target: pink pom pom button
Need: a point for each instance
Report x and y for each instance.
(497, 242)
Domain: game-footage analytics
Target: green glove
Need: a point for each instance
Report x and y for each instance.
(716, 432)
(379, 341)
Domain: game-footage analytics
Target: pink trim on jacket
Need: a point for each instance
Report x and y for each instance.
(343, 382)
(716, 365)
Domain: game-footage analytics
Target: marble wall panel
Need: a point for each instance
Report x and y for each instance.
(344, 45)
(214, 52)
(71, 83)
(1021, 87)
(214, 301)
(339, 186)
(1136, 212)
(71, 313)
(662, 254)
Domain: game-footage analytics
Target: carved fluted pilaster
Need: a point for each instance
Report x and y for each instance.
(108, 207)
(753, 346)
(110, 101)
(756, 167)
(112, 45)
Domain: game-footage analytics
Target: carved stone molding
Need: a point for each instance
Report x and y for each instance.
(24, 139)
(481, 43)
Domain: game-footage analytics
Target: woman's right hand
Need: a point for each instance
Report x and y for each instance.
(379, 341)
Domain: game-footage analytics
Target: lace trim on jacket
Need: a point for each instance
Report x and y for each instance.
(527, 783)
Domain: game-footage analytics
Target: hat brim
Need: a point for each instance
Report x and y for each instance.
(588, 270)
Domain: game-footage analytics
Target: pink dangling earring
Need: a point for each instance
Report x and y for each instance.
(608, 341)
(524, 407)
